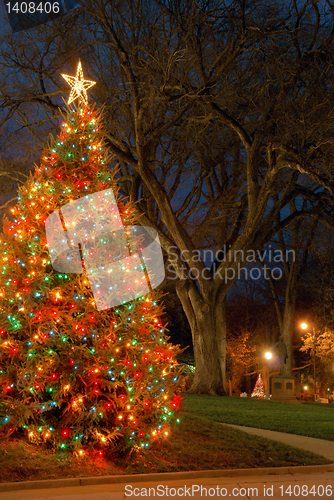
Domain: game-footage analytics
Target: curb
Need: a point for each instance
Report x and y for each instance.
(164, 476)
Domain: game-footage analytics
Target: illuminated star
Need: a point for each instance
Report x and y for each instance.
(79, 85)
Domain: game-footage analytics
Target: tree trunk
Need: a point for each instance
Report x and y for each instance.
(207, 322)
(288, 316)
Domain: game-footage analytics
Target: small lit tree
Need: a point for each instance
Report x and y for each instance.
(258, 391)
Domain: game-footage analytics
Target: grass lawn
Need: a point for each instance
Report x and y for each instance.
(196, 444)
(308, 419)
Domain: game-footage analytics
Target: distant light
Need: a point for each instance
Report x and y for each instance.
(268, 355)
(305, 387)
(304, 326)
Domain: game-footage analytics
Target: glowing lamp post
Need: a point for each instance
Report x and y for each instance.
(268, 356)
(304, 327)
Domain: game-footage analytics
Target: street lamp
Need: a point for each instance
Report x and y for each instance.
(304, 326)
(268, 356)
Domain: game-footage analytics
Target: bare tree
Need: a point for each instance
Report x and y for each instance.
(219, 113)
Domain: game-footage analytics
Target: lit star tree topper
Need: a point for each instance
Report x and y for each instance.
(79, 85)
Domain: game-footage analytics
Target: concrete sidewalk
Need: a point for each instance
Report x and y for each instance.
(312, 482)
(319, 446)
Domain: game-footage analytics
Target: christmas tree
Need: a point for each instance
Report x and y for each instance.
(76, 372)
(258, 389)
